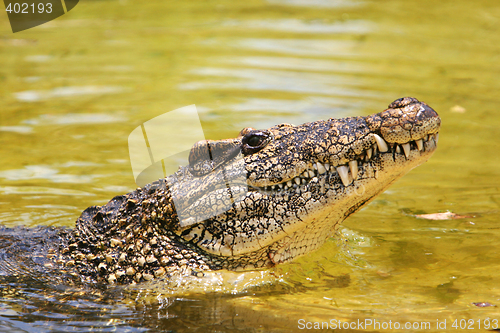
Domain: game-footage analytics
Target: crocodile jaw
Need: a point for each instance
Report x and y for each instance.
(309, 179)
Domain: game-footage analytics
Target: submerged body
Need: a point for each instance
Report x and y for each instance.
(260, 199)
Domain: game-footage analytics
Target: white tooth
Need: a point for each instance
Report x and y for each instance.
(321, 168)
(353, 165)
(280, 185)
(306, 174)
(273, 187)
(187, 222)
(374, 148)
(426, 137)
(406, 148)
(289, 183)
(398, 149)
(314, 166)
(382, 145)
(304, 181)
(436, 137)
(343, 172)
(420, 144)
(327, 166)
(369, 153)
(297, 180)
(311, 174)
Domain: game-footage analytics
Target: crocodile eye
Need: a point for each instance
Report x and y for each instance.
(254, 141)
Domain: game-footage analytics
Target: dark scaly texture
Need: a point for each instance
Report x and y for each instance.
(250, 202)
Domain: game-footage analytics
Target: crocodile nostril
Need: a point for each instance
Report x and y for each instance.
(402, 102)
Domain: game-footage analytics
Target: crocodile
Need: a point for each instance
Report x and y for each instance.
(250, 202)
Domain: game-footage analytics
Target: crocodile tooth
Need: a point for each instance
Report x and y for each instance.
(398, 149)
(315, 166)
(321, 168)
(426, 137)
(273, 187)
(280, 185)
(369, 153)
(311, 174)
(297, 180)
(306, 174)
(420, 144)
(436, 137)
(382, 145)
(374, 148)
(353, 166)
(289, 183)
(327, 166)
(304, 181)
(343, 172)
(187, 222)
(406, 148)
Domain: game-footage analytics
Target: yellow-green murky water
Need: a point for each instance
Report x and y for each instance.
(72, 90)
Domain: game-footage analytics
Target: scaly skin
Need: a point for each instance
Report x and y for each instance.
(250, 202)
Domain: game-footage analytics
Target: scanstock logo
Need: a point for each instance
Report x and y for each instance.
(25, 14)
(167, 140)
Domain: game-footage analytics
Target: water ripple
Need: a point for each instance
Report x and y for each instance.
(74, 119)
(269, 80)
(311, 27)
(318, 3)
(45, 172)
(39, 95)
(304, 47)
(303, 64)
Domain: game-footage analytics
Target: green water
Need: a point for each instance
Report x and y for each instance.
(73, 89)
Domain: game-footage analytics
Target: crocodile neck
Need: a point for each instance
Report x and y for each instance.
(260, 199)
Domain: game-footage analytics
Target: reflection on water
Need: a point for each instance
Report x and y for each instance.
(300, 64)
(72, 91)
(317, 3)
(301, 47)
(258, 79)
(313, 27)
(35, 96)
(45, 172)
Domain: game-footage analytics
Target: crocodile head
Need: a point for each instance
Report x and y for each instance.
(271, 195)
